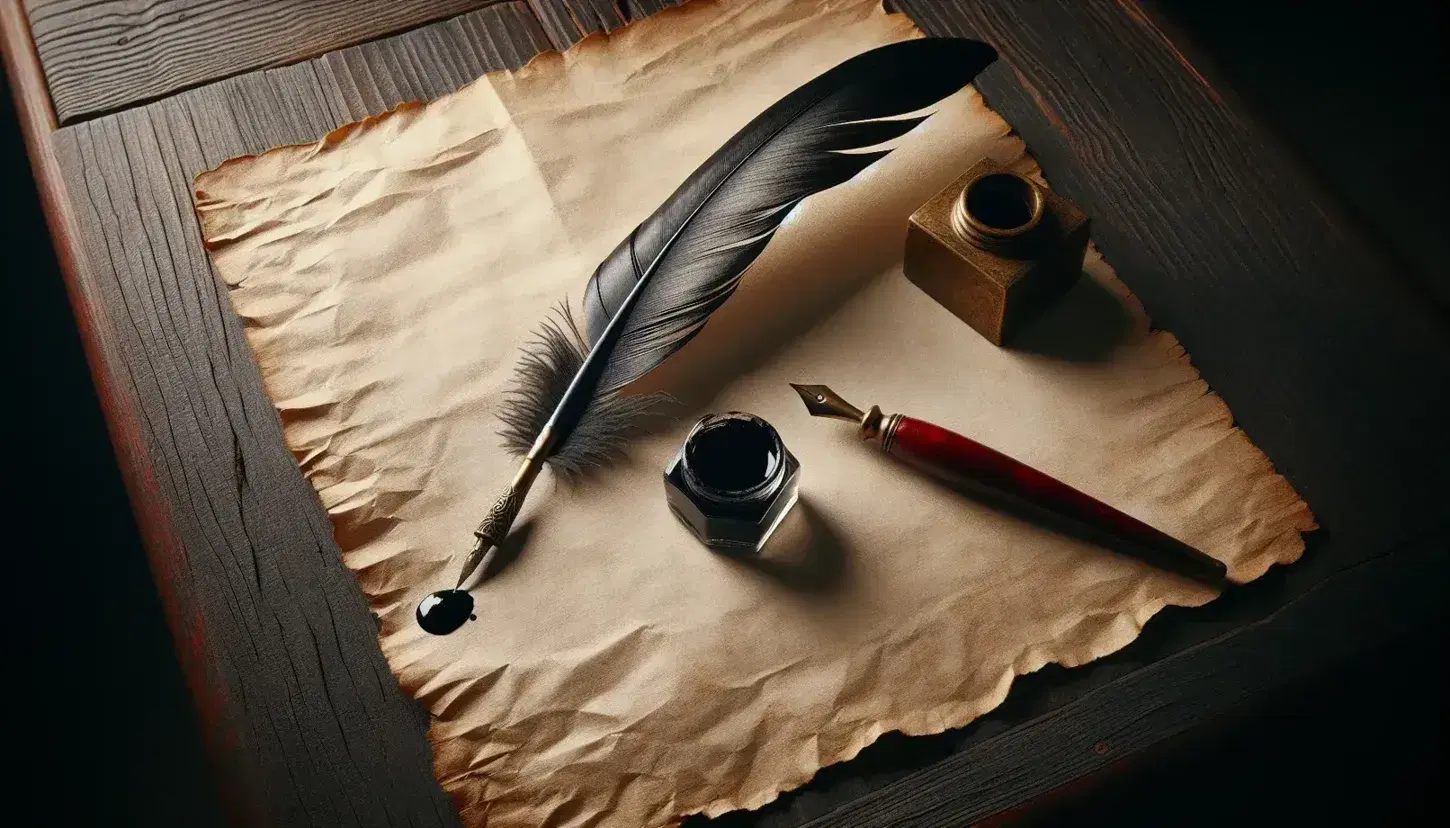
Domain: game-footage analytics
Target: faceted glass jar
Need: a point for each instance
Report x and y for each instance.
(732, 482)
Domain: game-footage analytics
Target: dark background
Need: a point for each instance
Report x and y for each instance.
(102, 728)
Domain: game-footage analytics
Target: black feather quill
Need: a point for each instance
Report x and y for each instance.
(660, 285)
(688, 257)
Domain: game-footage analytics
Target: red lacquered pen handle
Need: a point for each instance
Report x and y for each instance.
(960, 460)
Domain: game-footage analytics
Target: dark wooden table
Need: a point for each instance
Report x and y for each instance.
(1334, 358)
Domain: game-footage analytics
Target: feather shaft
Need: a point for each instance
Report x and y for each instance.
(658, 288)
(582, 388)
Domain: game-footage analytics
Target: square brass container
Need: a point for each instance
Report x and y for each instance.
(996, 248)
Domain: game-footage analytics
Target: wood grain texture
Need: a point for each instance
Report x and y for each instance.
(1325, 356)
(635, 9)
(566, 22)
(37, 120)
(994, 775)
(101, 55)
(310, 726)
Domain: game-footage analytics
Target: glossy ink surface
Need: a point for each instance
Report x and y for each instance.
(733, 454)
(444, 611)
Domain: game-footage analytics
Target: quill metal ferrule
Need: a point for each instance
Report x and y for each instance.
(495, 526)
(876, 427)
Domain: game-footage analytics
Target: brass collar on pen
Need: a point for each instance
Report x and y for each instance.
(876, 427)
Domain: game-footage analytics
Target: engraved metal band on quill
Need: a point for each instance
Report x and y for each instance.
(495, 525)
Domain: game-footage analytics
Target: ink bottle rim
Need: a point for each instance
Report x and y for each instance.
(696, 480)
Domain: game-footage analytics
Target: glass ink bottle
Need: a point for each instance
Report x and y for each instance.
(732, 482)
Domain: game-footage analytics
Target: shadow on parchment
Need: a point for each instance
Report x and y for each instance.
(506, 553)
(805, 554)
(1085, 325)
(827, 251)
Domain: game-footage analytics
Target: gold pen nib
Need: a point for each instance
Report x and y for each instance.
(823, 402)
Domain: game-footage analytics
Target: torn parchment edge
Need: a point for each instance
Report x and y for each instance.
(1287, 547)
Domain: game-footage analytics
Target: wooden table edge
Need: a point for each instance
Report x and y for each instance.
(1106, 756)
(37, 123)
(1339, 211)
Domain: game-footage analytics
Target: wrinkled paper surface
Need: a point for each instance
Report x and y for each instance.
(619, 673)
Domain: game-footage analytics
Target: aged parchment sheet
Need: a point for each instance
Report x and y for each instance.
(618, 673)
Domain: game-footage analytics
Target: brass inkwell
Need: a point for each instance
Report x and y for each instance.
(996, 248)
